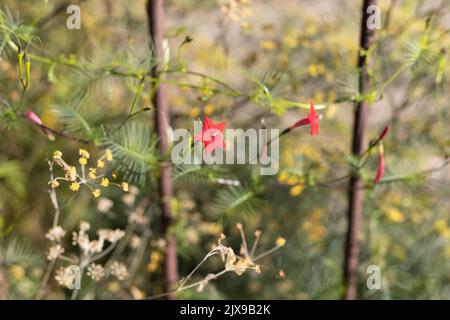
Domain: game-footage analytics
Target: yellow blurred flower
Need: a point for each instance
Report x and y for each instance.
(125, 186)
(321, 68)
(394, 215)
(71, 173)
(292, 180)
(283, 177)
(100, 163)
(74, 186)
(92, 173)
(108, 155)
(268, 44)
(194, 112)
(310, 152)
(440, 225)
(296, 190)
(84, 154)
(156, 258)
(209, 109)
(104, 182)
(96, 193)
(114, 286)
(311, 29)
(280, 242)
(290, 40)
(316, 231)
(57, 154)
(82, 161)
(17, 272)
(312, 70)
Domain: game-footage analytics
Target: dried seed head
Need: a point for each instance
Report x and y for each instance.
(96, 272)
(280, 242)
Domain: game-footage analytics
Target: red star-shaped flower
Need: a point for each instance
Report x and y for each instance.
(312, 119)
(211, 135)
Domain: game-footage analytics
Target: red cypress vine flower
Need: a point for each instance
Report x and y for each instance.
(380, 171)
(381, 162)
(211, 135)
(384, 133)
(312, 119)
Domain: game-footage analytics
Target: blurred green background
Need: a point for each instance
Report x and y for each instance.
(301, 51)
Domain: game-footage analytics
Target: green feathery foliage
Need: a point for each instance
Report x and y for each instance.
(133, 147)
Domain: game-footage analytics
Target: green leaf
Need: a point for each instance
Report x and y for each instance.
(236, 200)
(15, 251)
(133, 148)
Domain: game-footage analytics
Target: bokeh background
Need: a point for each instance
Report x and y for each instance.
(300, 50)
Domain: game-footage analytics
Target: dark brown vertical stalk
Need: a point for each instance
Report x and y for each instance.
(155, 11)
(356, 192)
(3, 283)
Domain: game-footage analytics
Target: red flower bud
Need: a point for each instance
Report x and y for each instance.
(380, 171)
(34, 118)
(384, 133)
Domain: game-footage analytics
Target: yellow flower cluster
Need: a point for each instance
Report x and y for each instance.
(156, 258)
(441, 227)
(88, 176)
(314, 227)
(315, 69)
(297, 183)
(392, 214)
(84, 157)
(268, 44)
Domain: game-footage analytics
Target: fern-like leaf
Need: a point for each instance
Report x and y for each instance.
(236, 200)
(79, 118)
(12, 180)
(133, 147)
(190, 173)
(15, 251)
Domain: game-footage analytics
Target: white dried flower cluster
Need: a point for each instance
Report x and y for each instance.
(135, 241)
(88, 247)
(104, 205)
(84, 226)
(81, 238)
(54, 252)
(96, 271)
(55, 234)
(119, 270)
(130, 197)
(66, 276)
(138, 218)
(111, 235)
